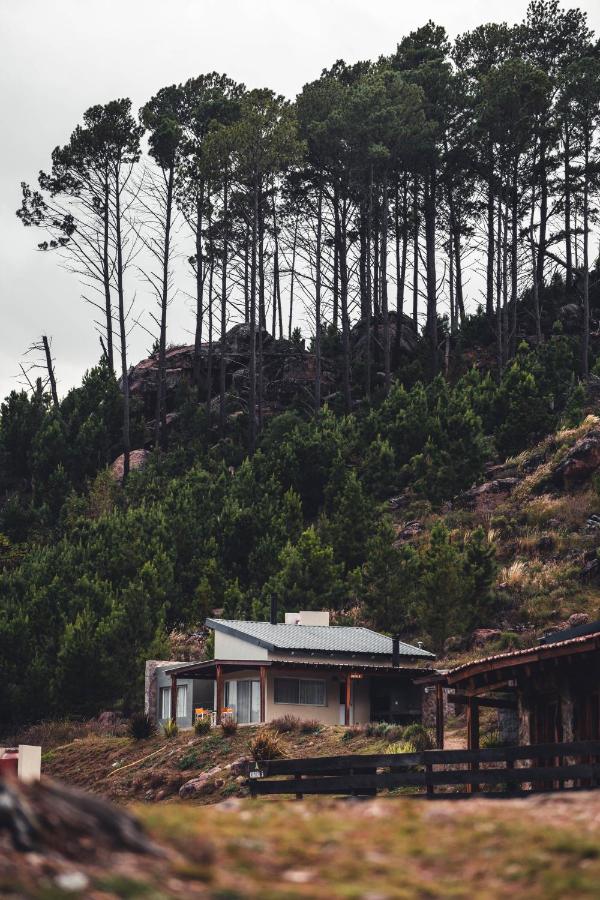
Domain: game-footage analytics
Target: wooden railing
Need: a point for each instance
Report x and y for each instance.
(551, 766)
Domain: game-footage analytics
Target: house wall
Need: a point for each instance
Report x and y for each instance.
(228, 646)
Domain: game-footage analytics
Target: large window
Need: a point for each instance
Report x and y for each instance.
(303, 692)
(243, 698)
(165, 702)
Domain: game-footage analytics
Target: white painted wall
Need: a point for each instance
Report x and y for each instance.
(228, 646)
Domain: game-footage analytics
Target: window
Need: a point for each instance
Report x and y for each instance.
(243, 698)
(300, 691)
(165, 702)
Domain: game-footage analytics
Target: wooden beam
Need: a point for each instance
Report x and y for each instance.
(174, 698)
(219, 710)
(263, 694)
(472, 736)
(439, 716)
(348, 700)
(493, 702)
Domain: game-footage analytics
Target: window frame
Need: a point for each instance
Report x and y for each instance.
(299, 681)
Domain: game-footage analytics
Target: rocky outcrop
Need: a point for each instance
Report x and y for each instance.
(487, 495)
(137, 459)
(580, 462)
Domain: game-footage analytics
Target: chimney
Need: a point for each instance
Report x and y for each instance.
(273, 619)
(396, 651)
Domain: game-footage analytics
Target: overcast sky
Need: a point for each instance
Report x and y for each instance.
(58, 57)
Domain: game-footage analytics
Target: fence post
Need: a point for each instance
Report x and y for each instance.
(473, 737)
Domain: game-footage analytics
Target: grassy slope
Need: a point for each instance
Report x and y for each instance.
(540, 536)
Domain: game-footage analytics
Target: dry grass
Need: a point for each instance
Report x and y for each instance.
(535, 576)
(51, 734)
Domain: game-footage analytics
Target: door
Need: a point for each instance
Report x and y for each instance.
(248, 702)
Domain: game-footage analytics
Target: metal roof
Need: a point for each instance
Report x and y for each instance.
(330, 639)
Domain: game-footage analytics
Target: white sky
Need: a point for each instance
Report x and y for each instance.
(58, 57)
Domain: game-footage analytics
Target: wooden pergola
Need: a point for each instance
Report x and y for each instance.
(216, 669)
(565, 673)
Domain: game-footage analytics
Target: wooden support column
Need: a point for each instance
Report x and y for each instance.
(263, 693)
(174, 698)
(219, 709)
(439, 716)
(348, 699)
(473, 736)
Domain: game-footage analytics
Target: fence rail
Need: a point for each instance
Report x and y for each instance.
(551, 766)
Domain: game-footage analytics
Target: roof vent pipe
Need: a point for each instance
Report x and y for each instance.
(273, 619)
(396, 651)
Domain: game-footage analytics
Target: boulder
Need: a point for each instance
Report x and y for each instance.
(204, 784)
(580, 462)
(578, 619)
(137, 459)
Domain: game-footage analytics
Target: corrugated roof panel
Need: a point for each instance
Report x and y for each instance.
(315, 638)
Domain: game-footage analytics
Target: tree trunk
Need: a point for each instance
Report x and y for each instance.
(489, 296)
(514, 261)
(416, 225)
(252, 361)
(585, 336)
(343, 264)
(223, 360)
(160, 431)
(209, 355)
(106, 272)
(401, 258)
(293, 278)
(534, 263)
(336, 260)
(568, 231)
(199, 288)
(541, 251)
(384, 287)
(318, 300)
(262, 316)
(430, 222)
(122, 328)
(368, 286)
(499, 342)
(50, 368)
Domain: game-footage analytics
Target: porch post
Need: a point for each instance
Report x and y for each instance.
(348, 699)
(439, 716)
(263, 693)
(473, 736)
(174, 698)
(219, 693)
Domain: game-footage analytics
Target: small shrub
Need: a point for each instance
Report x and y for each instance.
(310, 726)
(141, 727)
(170, 729)
(285, 724)
(491, 740)
(353, 732)
(418, 737)
(508, 640)
(228, 726)
(202, 725)
(266, 745)
(384, 730)
(189, 760)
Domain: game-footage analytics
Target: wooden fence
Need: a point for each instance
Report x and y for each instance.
(551, 767)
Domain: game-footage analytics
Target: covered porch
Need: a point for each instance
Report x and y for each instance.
(258, 691)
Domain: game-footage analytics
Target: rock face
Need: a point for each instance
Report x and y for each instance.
(288, 367)
(581, 461)
(489, 494)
